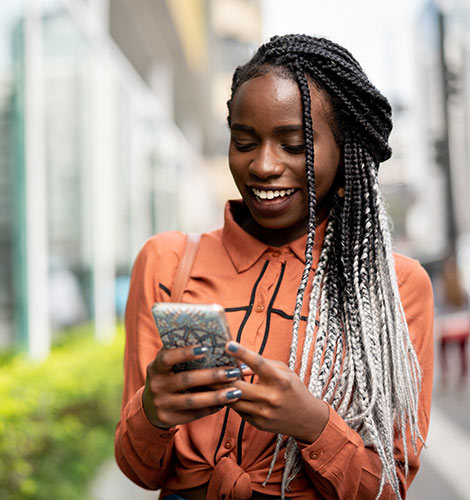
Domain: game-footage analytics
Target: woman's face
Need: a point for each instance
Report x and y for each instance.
(267, 155)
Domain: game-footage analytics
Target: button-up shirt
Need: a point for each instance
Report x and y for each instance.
(257, 285)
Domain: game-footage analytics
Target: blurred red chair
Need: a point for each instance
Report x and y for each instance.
(454, 328)
(453, 319)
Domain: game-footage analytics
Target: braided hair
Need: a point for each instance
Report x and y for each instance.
(364, 364)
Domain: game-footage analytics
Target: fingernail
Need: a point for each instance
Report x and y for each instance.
(243, 366)
(233, 373)
(232, 347)
(200, 350)
(234, 394)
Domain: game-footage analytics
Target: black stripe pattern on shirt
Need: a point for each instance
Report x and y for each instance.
(260, 352)
(165, 289)
(283, 314)
(239, 334)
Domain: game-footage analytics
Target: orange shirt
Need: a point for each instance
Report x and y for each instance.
(257, 286)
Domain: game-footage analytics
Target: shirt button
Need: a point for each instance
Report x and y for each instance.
(276, 253)
(259, 308)
(228, 444)
(314, 455)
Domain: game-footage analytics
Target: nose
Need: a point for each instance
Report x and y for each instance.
(266, 163)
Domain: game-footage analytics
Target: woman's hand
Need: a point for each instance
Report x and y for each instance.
(278, 401)
(164, 399)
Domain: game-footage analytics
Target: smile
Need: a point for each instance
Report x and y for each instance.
(262, 194)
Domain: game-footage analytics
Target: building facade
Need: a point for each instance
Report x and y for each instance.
(443, 55)
(92, 163)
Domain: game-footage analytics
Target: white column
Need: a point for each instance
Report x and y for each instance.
(103, 188)
(161, 80)
(37, 285)
(140, 184)
(100, 9)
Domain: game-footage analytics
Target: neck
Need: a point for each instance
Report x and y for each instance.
(284, 236)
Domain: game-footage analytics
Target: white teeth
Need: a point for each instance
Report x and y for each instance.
(270, 195)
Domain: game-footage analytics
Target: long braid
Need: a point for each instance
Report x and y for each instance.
(309, 163)
(363, 362)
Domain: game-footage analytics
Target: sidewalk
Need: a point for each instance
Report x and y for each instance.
(444, 472)
(112, 484)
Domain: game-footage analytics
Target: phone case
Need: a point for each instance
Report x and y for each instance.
(190, 324)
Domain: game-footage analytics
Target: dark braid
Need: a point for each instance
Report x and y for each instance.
(363, 362)
(309, 163)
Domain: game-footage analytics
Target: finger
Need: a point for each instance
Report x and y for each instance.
(259, 365)
(245, 408)
(253, 413)
(246, 370)
(167, 358)
(198, 400)
(257, 394)
(251, 402)
(204, 377)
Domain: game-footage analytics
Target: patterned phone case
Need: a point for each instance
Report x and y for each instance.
(190, 324)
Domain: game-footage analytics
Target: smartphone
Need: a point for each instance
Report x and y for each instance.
(180, 325)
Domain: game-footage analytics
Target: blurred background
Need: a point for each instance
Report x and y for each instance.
(113, 128)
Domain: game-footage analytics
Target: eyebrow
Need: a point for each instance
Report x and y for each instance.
(276, 130)
(241, 128)
(287, 128)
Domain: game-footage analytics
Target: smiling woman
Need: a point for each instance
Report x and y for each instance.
(267, 156)
(332, 394)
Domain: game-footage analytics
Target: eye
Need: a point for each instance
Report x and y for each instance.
(294, 150)
(244, 146)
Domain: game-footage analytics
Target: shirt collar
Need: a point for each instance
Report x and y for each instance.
(245, 250)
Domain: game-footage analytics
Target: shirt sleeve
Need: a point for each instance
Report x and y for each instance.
(338, 463)
(143, 451)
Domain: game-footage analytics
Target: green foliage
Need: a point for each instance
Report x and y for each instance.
(57, 418)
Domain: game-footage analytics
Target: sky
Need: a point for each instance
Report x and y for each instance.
(379, 33)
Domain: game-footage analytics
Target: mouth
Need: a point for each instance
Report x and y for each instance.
(271, 194)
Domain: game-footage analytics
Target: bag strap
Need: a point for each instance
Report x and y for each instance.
(185, 265)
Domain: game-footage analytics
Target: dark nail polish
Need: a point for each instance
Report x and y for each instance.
(234, 394)
(243, 366)
(232, 347)
(233, 373)
(200, 350)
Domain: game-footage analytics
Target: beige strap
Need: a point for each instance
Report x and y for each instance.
(184, 267)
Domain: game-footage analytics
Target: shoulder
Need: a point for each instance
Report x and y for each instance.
(160, 252)
(416, 294)
(163, 242)
(410, 273)
(171, 243)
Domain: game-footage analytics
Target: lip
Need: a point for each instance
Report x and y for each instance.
(263, 187)
(274, 207)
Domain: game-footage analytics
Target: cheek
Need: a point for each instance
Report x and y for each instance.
(325, 175)
(236, 169)
(324, 182)
(232, 159)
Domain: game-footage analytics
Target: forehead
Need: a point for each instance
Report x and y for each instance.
(275, 96)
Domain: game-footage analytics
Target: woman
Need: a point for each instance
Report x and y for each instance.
(337, 396)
